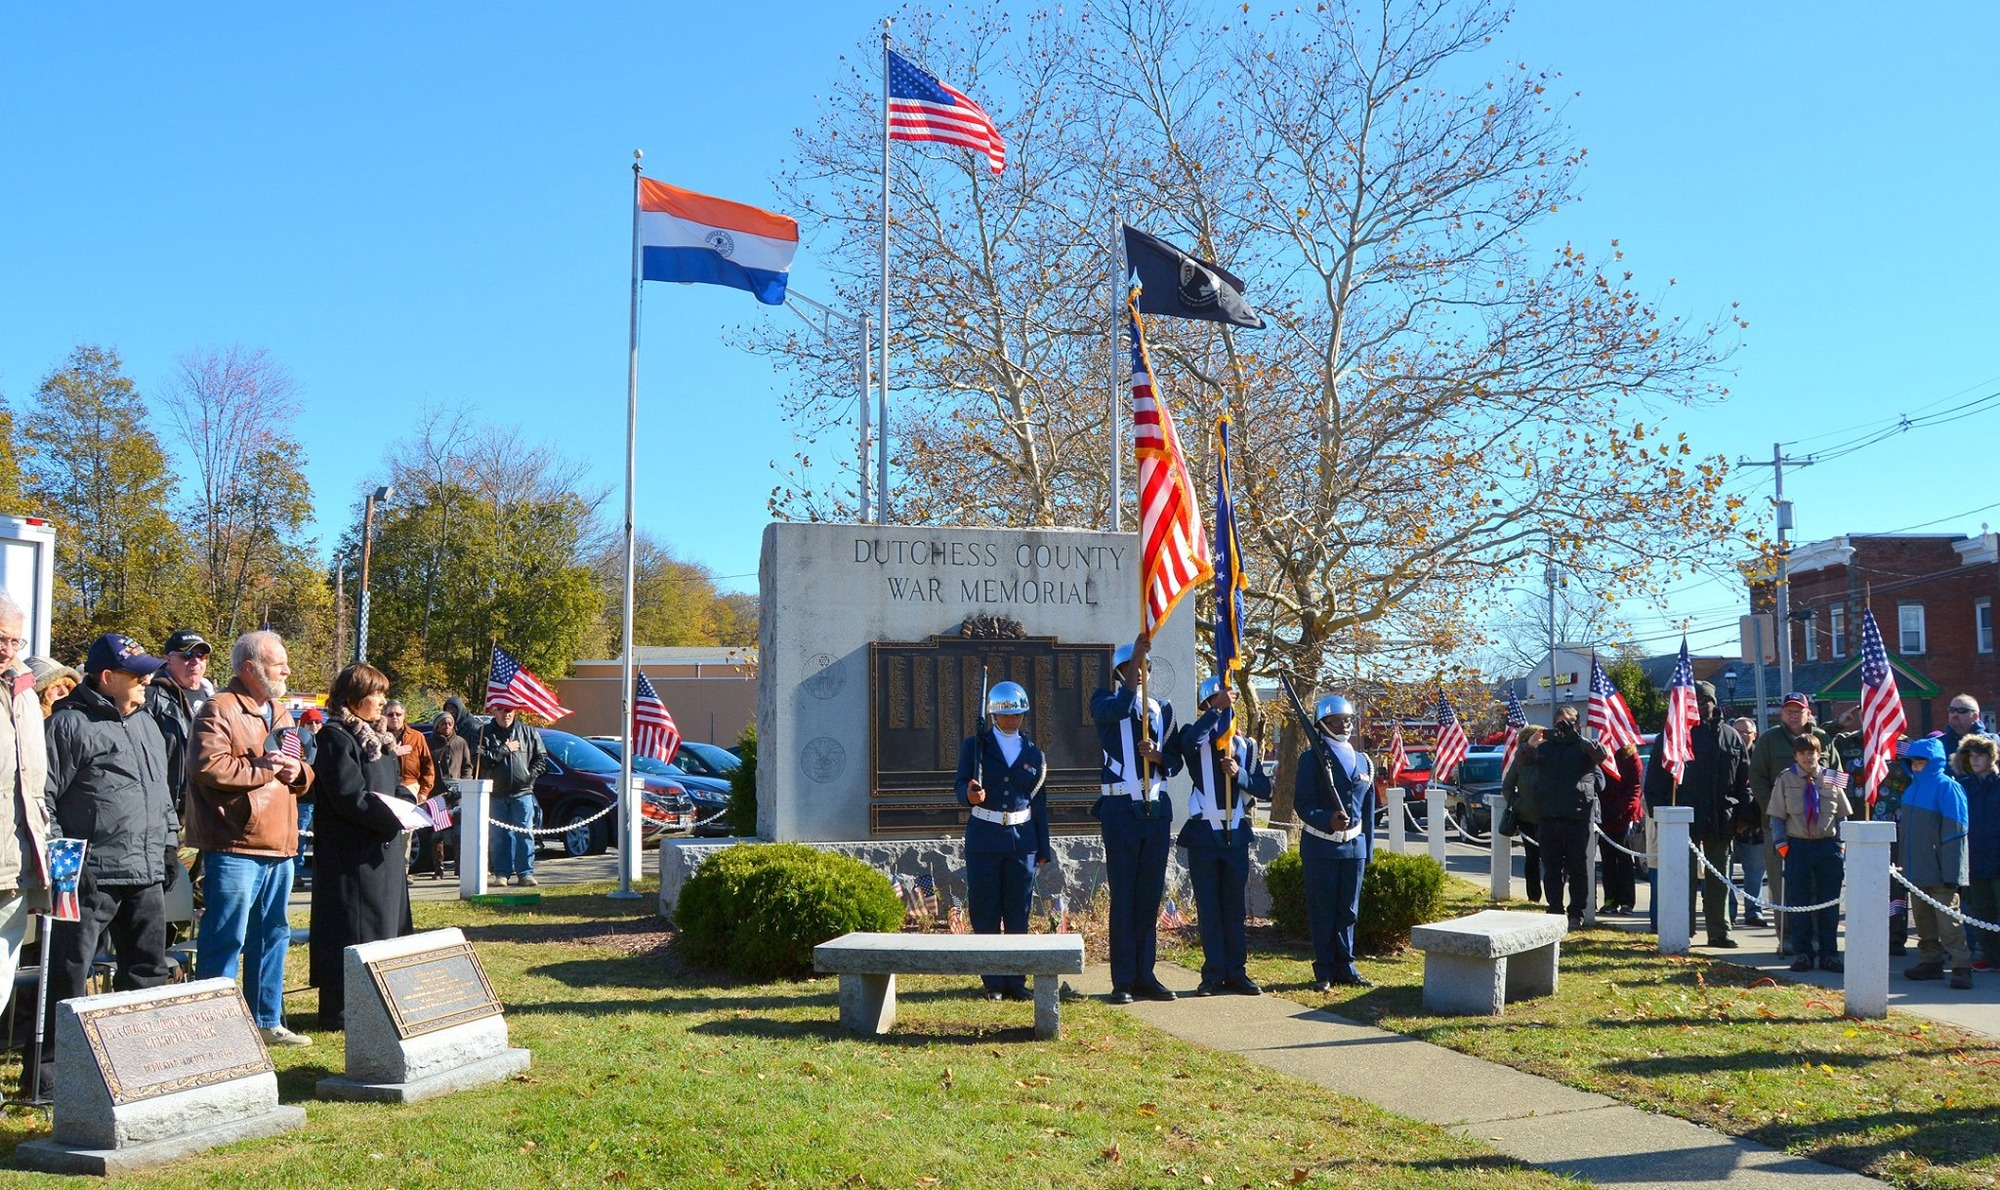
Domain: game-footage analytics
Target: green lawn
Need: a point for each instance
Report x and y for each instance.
(1908, 1100)
(647, 1073)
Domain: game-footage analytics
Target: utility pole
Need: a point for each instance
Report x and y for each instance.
(1549, 579)
(1783, 618)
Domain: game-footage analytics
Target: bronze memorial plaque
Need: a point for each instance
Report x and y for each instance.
(434, 989)
(923, 699)
(177, 1044)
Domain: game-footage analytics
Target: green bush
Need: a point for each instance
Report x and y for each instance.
(1398, 893)
(743, 786)
(757, 910)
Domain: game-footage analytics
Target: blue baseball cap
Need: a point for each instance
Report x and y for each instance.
(115, 650)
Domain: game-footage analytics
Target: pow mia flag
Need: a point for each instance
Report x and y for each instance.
(1182, 286)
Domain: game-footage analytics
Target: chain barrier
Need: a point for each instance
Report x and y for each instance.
(1465, 832)
(1736, 891)
(1614, 844)
(1961, 917)
(551, 831)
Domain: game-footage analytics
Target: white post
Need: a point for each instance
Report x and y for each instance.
(1501, 885)
(1395, 818)
(1866, 888)
(1434, 824)
(475, 810)
(1672, 825)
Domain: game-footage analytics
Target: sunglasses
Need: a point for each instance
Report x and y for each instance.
(1965, 710)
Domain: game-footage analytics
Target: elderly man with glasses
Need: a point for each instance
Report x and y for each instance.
(176, 695)
(24, 816)
(1962, 719)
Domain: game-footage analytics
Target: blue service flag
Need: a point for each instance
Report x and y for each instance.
(1229, 580)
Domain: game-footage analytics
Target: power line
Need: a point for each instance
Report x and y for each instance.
(1919, 409)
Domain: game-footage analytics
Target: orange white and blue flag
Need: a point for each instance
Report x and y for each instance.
(696, 239)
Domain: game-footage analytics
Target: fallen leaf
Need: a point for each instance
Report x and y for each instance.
(1149, 1109)
(616, 1175)
(701, 1070)
(927, 1181)
(1112, 1154)
(529, 1147)
(1207, 1181)
(1300, 1175)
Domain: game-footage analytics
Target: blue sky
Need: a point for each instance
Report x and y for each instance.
(412, 203)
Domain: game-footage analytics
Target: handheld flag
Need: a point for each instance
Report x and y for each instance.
(65, 860)
(1516, 720)
(1184, 286)
(1610, 718)
(1683, 712)
(512, 686)
(1229, 579)
(653, 730)
(1882, 718)
(923, 109)
(695, 239)
(1451, 743)
(1173, 554)
(1399, 756)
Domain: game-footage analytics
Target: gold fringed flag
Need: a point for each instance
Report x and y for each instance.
(1173, 553)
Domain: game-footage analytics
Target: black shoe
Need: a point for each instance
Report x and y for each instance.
(1155, 991)
(1355, 979)
(1575, 923)
(1832, 963)
(1016, 994)
(1961, 978)
(1926, 971)
(1208, 988)
(1724, 943)
(1323, 986)
(1755, 923)
(1242, 985)
(991, 994)
(1803, 963)
(1120, 996)
(1897, 952)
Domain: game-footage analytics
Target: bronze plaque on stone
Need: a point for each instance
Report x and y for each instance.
(434, 989)
(177, 1044)
(923, 699)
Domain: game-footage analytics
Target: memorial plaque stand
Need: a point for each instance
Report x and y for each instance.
(422, 1021)
(148, 1077)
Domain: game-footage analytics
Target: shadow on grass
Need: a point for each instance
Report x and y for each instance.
(1960, 1136)
(1754, 1060)
(906, 1035)
(299, 1084)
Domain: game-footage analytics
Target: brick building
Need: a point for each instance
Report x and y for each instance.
(1933, 598)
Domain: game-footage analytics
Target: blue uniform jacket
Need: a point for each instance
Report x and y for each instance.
(1314, 803)
(1195, 741)
(1009, 790)
(1109, 709)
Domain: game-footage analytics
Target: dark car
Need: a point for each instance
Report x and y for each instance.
(710, 794)
(707, 760)
(1465, 797)
(582, 781)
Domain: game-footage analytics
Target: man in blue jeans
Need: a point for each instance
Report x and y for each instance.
(512, 756)
(242, 811)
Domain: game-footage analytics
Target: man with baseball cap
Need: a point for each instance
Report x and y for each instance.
(176, 696)
(1770, 757)
(107, 785)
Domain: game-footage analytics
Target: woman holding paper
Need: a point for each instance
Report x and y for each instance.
(361, 889)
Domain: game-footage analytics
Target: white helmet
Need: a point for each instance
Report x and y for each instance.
(1333, 704)
(1007, 698)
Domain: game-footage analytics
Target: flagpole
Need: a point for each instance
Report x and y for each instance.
(628, 805)
(1111, 420)
(882, 407)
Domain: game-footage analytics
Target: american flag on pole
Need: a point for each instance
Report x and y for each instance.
(1173, 554)
(1610, 718)
(1516, 720)
(653, 730)
(1399, 756)
(510, 685)
(1170, 916)
(923, 109)
(1882, 719)
(1676, 748)
(1451, 743)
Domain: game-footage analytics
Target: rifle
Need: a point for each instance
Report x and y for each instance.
(1343, 818)
(979, 735)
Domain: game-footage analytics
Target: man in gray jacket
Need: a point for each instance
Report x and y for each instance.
(108, 786)
(24, 820)
(512, 756)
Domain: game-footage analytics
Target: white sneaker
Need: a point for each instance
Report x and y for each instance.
(528, 881)
(279, 1035)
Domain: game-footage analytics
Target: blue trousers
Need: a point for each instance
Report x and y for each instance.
(1220, 876)
(1813, 871)
(243, 925)
(1751, 856)
(514, 852)
(998, 885)
(1333, 904)
(1135, 861)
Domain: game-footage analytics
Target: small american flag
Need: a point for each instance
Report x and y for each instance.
(65, 858)
(1676, 747)
(955, 921)
(511, 685)
(1173, 553)
(1610, 718)
(923, 109)
(653, 730)
(1170, 916)
(1882, 719)
(1516, 720)
(1399, 756)
(289, 744)
(1451, 745)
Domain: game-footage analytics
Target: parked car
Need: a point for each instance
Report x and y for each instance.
(582, 780)
(707, 760)
(710, 794)
(1465, 796)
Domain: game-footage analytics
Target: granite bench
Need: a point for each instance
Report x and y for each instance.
(869, 963)
(1474, 965)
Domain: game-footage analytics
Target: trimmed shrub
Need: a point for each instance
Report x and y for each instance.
(743, 786)
(1398, 893)
(757, 910)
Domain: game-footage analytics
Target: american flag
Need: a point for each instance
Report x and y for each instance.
(65, 868)
(1676, 748)
(1516, 720)
(510, 685)
(1170, 916)
(1882, 719)
(1399, 756)
(653, 730)
(1610, 718)
(923, 109)
(956, 921)
(1451, 744)
(288, 743)
(1173, 554)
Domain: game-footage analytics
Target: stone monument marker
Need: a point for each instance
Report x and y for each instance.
(422, 1020)
(150, 1076)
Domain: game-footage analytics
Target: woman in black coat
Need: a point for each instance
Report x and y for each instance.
(361, 889)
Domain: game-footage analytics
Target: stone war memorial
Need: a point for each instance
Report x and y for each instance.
(874, 643)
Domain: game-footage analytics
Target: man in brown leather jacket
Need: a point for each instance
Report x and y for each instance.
(244, 786)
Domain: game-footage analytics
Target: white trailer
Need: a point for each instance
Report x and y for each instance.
(28, 573)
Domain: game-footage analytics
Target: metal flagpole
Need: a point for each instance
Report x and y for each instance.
(866, 442)
(1111, 421)
(628, 805)
(882, 454)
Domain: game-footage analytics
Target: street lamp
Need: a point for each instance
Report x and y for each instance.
(1729, 679)
(379, 495)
